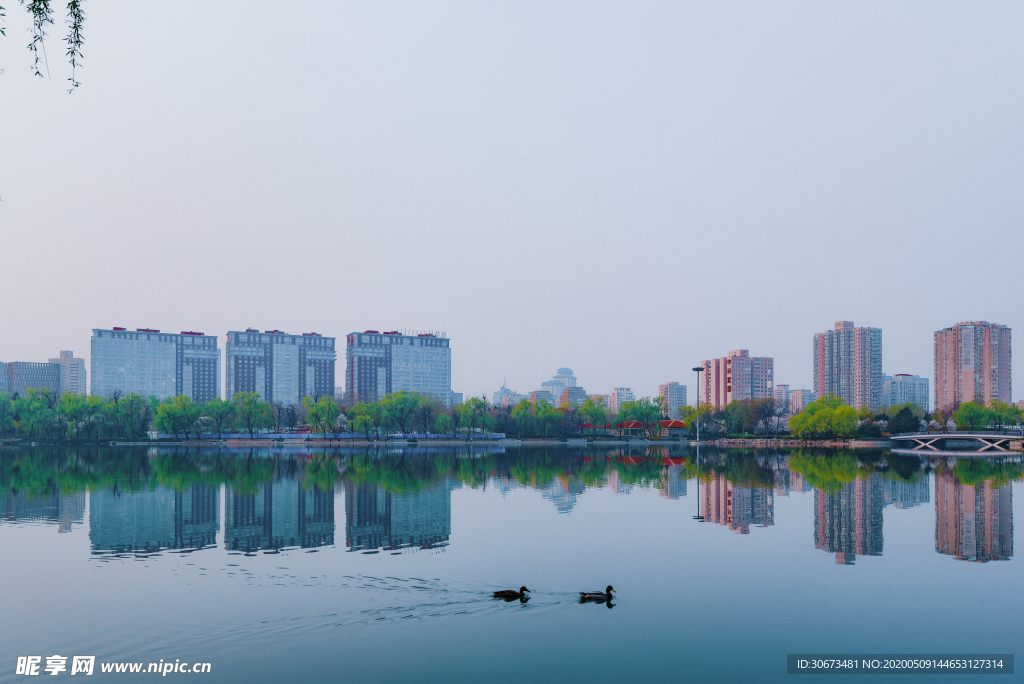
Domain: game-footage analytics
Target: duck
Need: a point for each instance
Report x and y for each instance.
(600, 596)
(512, 594)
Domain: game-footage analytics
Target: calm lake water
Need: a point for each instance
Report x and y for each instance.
(379, 565)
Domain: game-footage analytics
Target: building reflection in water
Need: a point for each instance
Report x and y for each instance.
(375, 518)
(737, 506)
(564, 489)
(279, 514)
(973, 522)
(787, 481)
(901, 494)
(848, 521)
(63, 510)
(673, 481)
(148, 521)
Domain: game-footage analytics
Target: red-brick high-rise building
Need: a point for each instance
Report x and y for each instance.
(972, 363)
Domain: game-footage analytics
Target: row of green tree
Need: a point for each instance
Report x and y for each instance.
(45, 416)
(832, 418)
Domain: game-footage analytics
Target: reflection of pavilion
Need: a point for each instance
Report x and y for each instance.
(62, 509)
(281, 513)
(375, 518)
(973, 522)
(564, 489)
(737, 506)
(849, 521)
(161, 518)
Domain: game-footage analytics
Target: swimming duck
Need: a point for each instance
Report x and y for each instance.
(600, 596)
(512, 594)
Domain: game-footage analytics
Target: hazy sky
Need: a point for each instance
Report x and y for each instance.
(620, 188)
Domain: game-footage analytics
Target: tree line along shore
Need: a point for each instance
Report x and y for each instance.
(45, 416)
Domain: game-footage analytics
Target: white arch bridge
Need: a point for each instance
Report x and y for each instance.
(982, 440)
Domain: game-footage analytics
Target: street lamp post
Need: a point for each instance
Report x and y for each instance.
(698, 369)
(698, 517)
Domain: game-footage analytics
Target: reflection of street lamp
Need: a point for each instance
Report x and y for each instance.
(698, 517)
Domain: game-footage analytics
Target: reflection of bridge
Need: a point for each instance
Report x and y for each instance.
(940, 441)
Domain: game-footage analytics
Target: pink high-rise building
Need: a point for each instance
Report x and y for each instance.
(736, 377)
(972, 363)
(848, 364)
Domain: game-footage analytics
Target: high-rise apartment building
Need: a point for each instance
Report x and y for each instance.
(150, 363)
(798, 400)
(781, 394)
(972, 363)
(571, 395)
(736, 377)
(283, 369)
(542, 395)
(25, 375)
(618, 397)
(902, 388)
(378, 364)
(674, 395)
(72, 373)
(848, 364)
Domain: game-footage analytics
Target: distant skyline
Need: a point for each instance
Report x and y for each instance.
(624, 190)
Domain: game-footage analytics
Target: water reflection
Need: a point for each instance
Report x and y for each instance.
(278, 514)
(848, 520)
(150, 521)
(973, 521)
(899, 493)
(376, 518)
(737, 506)
(61, 509)
(144, 501)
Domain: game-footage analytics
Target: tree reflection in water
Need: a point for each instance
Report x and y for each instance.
(399, 498)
